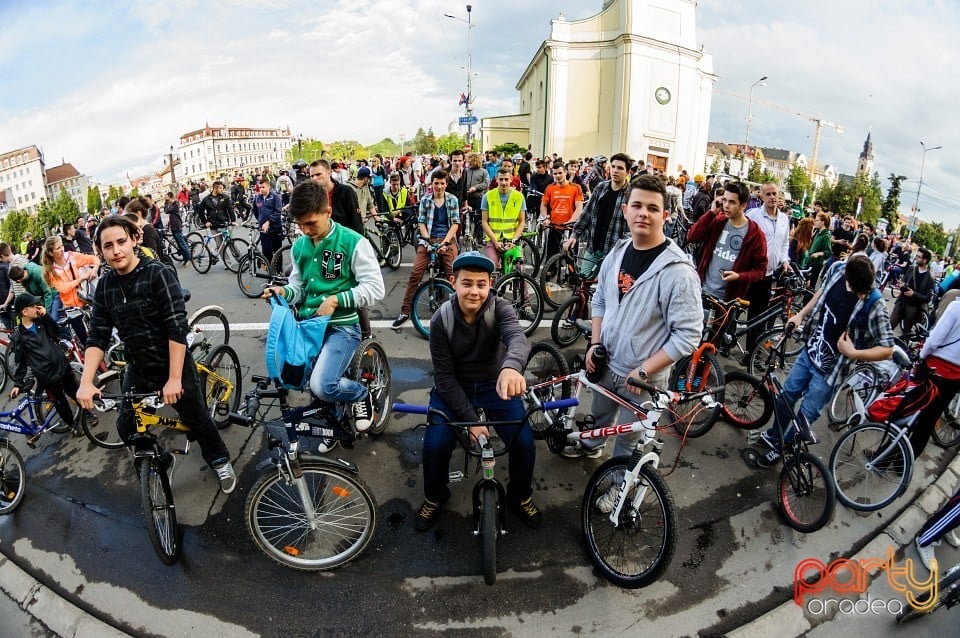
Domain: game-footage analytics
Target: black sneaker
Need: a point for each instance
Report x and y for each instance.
(427, 515)
(527, 512)
(400, 320)
(771, 458)
(363, 413)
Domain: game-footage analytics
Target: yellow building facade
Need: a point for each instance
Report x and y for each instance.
(630, 78)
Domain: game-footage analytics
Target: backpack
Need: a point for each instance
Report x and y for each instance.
(292, 346)
(904, 398)
(489, 317)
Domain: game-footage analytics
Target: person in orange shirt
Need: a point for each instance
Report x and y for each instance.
(66, 271)
(561, 204)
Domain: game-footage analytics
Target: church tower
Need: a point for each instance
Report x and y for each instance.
(865, 163)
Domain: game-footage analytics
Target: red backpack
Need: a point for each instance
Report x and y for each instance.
(903, 398)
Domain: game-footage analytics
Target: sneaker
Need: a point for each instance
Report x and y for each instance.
(326, 444)
(608, 499)
(527, 512)
(228, 478)
(953, 539)
(363, 413)
(581, 451)
(769, 459)
(427, 515)
(400, 320)
(928, 554)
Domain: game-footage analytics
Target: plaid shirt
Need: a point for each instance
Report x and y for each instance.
(427, 210)
(875, 332)
(586, 225)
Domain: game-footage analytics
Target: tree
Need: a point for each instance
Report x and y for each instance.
(755, 174)
(891, 205)
(420, 145)
(715, 167)
(450, 142)
(14, 225)
(799, 184)
(94, 200)
(843, 197)
(62, 210)
(386, 147)
(507, 148)
(431, 142)
(134, 193)
(346, 149)
(932, 236)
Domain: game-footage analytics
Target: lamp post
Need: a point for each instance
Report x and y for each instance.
(173, 182)
(401, 144)
(469, 103)
(916, 204)
(300, 147)
(746, 139)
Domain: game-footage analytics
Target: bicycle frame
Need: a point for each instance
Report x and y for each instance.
(13, 421)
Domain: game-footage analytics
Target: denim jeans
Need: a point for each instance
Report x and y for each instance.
(440, 441)
(327, 382)
(803, 381)
(182, 243)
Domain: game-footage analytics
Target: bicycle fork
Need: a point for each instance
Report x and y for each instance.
(631, 480)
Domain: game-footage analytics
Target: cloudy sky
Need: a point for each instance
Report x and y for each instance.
(111, 85)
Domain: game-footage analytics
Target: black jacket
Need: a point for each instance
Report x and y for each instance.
(38, 352)
(216, 210)
(922, 285)
(84, 243)
(346, 207)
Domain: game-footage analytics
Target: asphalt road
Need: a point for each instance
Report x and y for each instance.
(81, 529)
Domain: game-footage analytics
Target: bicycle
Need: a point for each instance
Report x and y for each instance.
(310, 513)
(254, 266)
(511, 283)
(230, 249)
(488, 493)
(385, 241)
(13, 476)
(627, 515)
(171, 247)
(557, 271)
(431, 294)
(864, 384)
(572, 318)
(948, 588)
(806, 497)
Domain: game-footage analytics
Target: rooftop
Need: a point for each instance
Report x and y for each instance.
(60, 173)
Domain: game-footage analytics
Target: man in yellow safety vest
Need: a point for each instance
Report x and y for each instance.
(503, 216)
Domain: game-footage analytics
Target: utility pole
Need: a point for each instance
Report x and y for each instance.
(469, 103)
(173, 182)
(746, 139)
(816, 141)
(916, 204)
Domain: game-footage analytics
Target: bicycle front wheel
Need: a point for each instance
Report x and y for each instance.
(371, 367)
(490, 503)
(101, 427)
(946, 582)
(805, 493)
(856, 392)
(392, 249)
(426, 300)
(212, 323)
(563, 328)
(531, 257)
(156, 497)
(233, 251)
(524, 295)
(946, 433)
(546, 362)
(250, 274)
(869, 470)
(747, 403)
(558, 279)
(634, 551)
(13, 477)
(319, 521)
(282, 261)
(222, 388)
(766, 347)
(696, 419)
(200, 257)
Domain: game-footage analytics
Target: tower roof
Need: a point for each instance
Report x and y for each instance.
(867, 152)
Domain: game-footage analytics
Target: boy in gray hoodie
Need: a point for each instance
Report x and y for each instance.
(647, 311)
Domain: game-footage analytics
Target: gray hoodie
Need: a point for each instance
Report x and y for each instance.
(661, 310)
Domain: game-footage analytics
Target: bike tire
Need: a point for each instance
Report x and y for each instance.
(562, 329)
(863, 489)
(747, 403)
(946, 582)
(490, 504)
(946, 433)
(213, 323)
(371, 367)
(523, 293)
(648, 533)
(805, 494)
(13, 477)
(58, 425)
(546, 362)
(343, 503)
(281, 262)
(248, 278)
(860, 384)
(195, 237)
(558, 279)
(200, 257)
(156, 499)
(531, 257)
(233, 251)
(710, 375)
(222, 398)
(757, 358)
(393, 249)
(429, 296)
(102, 431)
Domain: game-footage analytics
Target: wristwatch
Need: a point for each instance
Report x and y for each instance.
(641, 373)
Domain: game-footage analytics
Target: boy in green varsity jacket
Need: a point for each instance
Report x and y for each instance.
(335, 272)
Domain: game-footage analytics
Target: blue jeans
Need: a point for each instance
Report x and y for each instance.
(803, 381)
(327, 382)
(440, 441)
(182, 243)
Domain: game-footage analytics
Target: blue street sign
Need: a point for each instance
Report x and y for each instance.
(467, 121)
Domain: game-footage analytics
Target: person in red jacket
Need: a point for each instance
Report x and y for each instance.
(734, 253)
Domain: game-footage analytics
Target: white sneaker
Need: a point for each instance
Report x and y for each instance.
(927, 554)
(952, 538)
(228, 478)
(363, 413)
(608, 499)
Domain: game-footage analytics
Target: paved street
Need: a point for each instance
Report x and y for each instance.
(81, 529)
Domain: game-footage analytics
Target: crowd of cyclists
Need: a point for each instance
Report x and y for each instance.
(656, 244)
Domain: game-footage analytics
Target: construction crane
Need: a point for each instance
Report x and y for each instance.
(817, 120)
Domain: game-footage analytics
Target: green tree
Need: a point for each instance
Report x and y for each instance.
(843, 197)
(755, 174)
(134, 193)
(346, 149)
(386, 147)
(62, 210)
(419, 144)
(891, 205)
(14, 225)
(450, 142)
(799, 184)
(94, 201)
(932, 236)
(430, 141)
(507, 148)
(715, 167)
(726, 167)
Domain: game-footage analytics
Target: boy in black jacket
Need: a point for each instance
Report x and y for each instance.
(36, 349)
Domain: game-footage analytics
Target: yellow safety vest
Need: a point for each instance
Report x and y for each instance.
(503, 222)
(399, 202)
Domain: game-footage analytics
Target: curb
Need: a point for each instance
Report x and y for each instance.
(47, 607)
(788, 619)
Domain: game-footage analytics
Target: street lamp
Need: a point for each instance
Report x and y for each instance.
(469, 103)
(746, 139)
(916, 204)
(173, 182)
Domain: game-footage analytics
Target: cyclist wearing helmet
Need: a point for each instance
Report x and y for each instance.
(599, 172)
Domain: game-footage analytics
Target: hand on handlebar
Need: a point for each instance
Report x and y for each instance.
(510, 384)
(477, 431)
(570, 243)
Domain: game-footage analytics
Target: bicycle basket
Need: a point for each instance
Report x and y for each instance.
(903, 398)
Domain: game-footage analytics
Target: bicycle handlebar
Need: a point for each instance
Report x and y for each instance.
(411, 408)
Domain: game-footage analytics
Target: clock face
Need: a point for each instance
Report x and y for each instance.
(662, 94)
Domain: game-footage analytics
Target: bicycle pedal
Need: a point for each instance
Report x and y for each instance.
(32, 442)
(456, 476)
(180, 452)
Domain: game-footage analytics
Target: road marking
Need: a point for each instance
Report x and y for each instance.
(376, 323)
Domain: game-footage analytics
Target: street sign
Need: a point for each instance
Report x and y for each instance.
(468, 120)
